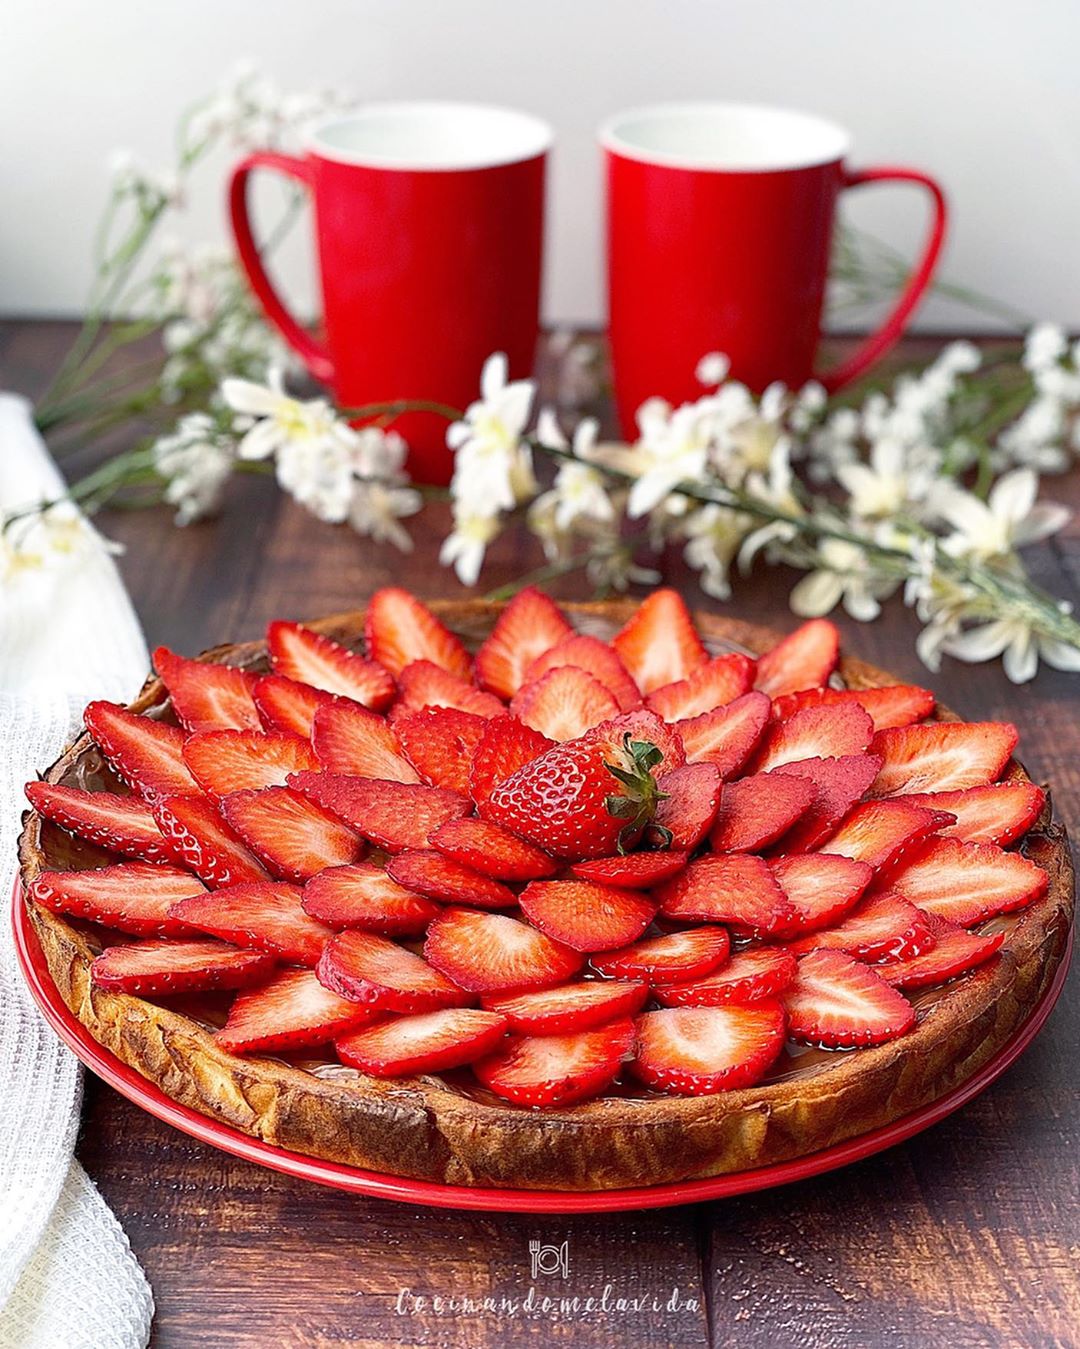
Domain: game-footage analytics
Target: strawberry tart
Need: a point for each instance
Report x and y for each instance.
(550, 898)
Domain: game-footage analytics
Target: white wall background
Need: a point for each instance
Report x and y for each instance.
(983, 93)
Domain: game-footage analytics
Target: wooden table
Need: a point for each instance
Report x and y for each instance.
(965, 1236)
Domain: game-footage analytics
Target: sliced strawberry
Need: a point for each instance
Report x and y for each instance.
(564, 703)
(505, 746)
(292, 835)
(430, 873)
(954, 952)
(1000, 812)
(839, 1002)
(292, 1011)
(756, 811)
(239, 761)
(528, 626)
(594, 657)
(428, 1043)
(132, 897)
(200, 840)
(641, 724)
(441, 744)
(838, 785)
(967, 882)
(489, 952)
(883, 927)
(633, 871)
(714, 685)
(671, 958)
(942, 756)
(728, 736)
(551, 1070)
(881, 832)
(727, 888)
(492, 850)
(399, 629)
(122, 824)
(803, 660)
(310, 658)
(691, 798)
(161, 967)
(758, 972)
(659, 644)
(363, 895)
(696, 1051)
(351, 739)
(380, 973)
(424, 684)
(895, 705)
(392, 815)
(207, 696)
(148, 754)
(586, 916)
(287, 705)
(571, 1008)
(816, 733)
(266, 916)
(820, 887)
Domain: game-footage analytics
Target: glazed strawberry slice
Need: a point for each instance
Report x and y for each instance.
(132, 897)
(287, 705)
(311, 658)
(147, 754)
(430, 873)
(564, 704)
(555, 1070)
(363, 895)
(351, 739)
(492, 850)
(954, 952)
(838, 784)
(505, 746)
(238, 761)
(882, 927)
(399, 629)
(595, 658)
(690, 799)
(728, 736)
(880, 833)
(586, 916)
(529, 625)
(158, 968)
(207, 696)
(122, 824)
(200, 840)
(750, 975)
(727, 888)
(967, 882)
(431, 1042)
(292, 1011)
(292, 835)
(571, 1008)
(659, 644)
(803, 660)
(757, 810)
(714, 685)
(1000, 812)
(441, 744)
(816, 733)
(838, 1002)
(266, 916)
(894, 705)
(633, 871)
(672, 958)
(821, 888)
(942, 756)
(392, 815)
(424, 684)
(697, 1051)
(489, 952)
(380, 973)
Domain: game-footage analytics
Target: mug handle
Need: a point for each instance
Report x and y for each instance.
(876, 346)
(314, 355)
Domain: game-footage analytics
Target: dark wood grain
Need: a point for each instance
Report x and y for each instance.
(965, 1236)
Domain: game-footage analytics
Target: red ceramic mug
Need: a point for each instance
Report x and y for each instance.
(719, 232)
(429, 230)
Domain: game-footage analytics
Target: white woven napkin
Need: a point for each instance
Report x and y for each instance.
(68, 1279)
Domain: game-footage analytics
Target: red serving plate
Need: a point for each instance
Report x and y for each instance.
(136, 1088)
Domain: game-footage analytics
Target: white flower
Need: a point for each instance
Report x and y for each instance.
(492, 468)
(960, 358)
(580, 490)
(464, 548)
(1008, 519)
(1018, 644)
(1044, 346)
(1036, 438)
(281, 421)
(810, 403)
(846, 576)
(713, 535)
(196, 460)
(318, 472)
(712, 369)
(885, 486)
(672, 448)
(777, 490)
(377, 509)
